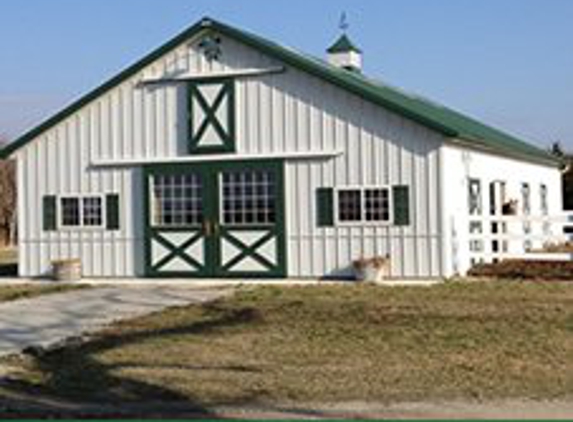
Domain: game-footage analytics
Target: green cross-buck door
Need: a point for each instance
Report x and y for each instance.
(215, 220)
(211, 116)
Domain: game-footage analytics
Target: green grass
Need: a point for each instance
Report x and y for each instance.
(327, 344)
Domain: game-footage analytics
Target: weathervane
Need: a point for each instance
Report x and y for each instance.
(343, 24)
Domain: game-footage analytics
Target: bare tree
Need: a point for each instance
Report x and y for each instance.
(7, 199)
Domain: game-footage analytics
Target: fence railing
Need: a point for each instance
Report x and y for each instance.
(496, 237)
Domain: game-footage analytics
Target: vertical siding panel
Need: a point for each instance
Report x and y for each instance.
(284, 112)
(265, 118)
(31, 214)
(277, 124)
(23, 239)
(292, 232)
(252, 140)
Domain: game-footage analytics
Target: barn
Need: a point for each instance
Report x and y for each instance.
(224, 154)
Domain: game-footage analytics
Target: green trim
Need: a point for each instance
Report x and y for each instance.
(325, 207)
(213, 267)
(278, 229)
(176, 251)
(343, 45)
(210, 116)
(112, 211)
(50, 214)
(434, 116)
(401, 204)
(249, 251)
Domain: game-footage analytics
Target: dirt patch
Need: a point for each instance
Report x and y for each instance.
(525, 269)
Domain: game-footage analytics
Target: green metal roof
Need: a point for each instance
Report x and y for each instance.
(343, 45)
(457, 127)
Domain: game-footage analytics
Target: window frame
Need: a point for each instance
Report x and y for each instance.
(525, 192)
(81, 226)
(230, 141)
(221, 207)
(478, 211)
(363, 222)
(543, 199)
(153, 204)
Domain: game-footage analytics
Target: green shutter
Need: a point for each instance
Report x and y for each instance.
(112, 211)
(401, 199)
(325, 207)
(49, 209)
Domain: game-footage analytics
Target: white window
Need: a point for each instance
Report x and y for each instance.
(81, 211)
(377, 204)
(70, 212)
(349, 205)
(525, 199)
(92, 211)
(248, 197)
(358, 205)
(474, 197)
(177, 200)
(543, 199)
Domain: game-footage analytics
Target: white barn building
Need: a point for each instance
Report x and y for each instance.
(223, 154)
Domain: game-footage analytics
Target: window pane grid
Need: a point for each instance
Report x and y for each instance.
(81, 211)
(474, 197)
(364, 205)
(178, 200)
(525, 197)
(70, 212)
(349, 205)
(377, 204)
(543, 199)
(92, 211)
(248, 197)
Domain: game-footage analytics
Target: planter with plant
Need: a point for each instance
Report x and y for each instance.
(69, 269)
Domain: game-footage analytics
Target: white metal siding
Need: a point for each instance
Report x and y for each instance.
(458, 165)
(284, 112)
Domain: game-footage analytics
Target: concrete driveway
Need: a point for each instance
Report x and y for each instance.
(51, 318)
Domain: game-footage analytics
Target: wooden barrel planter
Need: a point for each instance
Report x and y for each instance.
(372, 270)
(67, 269)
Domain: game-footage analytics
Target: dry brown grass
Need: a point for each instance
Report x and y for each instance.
(559, 247)
(20, 291)
(326, 344)
(8, 256)
(522, 269)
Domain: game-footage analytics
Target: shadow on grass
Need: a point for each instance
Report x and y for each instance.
(78, 385)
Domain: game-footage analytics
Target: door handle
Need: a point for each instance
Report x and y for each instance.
(206, 228)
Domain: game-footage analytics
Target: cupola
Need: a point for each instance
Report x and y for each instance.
(343, 53)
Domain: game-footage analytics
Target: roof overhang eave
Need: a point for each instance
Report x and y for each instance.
(477, 145)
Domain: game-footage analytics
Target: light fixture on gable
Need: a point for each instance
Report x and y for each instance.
(211, 46)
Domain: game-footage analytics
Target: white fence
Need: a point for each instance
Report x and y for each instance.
(496, 237)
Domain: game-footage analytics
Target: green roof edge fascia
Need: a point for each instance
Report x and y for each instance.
(339, 77)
